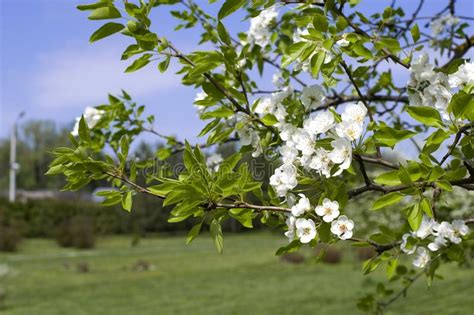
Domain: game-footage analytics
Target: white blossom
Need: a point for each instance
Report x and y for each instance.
(245, 135)
(303, 142)
(201, 95)
(350, 129)
(319, 123)
(265, 106)
(342, 227)
(277, 79)
(287, 131)
(248, 136)
(290, 223)
(464, 75)
(341, 153)
(305, 230)
(429, 88)
(272, 104)
(421, 69)
(443, 229)
(214, 160)
(298, 35)
(460, 227)
(288, 154)
(426, 227)
(343, 42)
(438, 243)
(321, 162)
(312, 96)
(437, 95)
(303, 205)
(329, 210)
(259, 32)
(422, 258)
(284, 179)
(403, 245)
(355, 112)
(91, 116)
(439, 24)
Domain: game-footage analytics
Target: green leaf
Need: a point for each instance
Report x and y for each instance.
(444, 184)
(92, 6)
(341, 23)
(389, 136)
(392, 265)
(221, 112)
(293, 52)
(404, 176)
(415, 33)
(229, 7)
(84, 132)
(163, 189)
(193, 233)
(426, 207)
(389, 178)
(127, 201)
(105, 13)
(139, 63)
(106, 30)
(320, 22)
(426, 115)
(370, 265)
(244, 216)
(362, 51)
(290, 248)
(163, 66)
(269, 120)
(216, 234)
(324, 232)
(391, 44)
(434, 141)
(386, 200)
(461, 103)
(223, 34)
(415, 215)
(316, 63)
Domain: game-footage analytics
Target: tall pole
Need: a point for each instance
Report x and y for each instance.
(13, 164)
(12, 191)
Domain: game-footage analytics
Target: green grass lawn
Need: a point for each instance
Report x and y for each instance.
(193, 279)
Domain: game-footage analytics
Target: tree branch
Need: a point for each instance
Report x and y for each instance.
(363, 33)
(455, 142)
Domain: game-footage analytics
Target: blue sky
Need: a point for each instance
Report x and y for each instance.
(50, 70)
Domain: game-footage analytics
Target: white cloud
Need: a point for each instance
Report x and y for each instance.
(73, 77)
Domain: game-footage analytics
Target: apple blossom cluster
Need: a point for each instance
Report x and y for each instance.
(430, 88)
(442, 23)
(299, 149)
(436, 235)
(91, 116)
(299, 144)
(305, 229)
(259, 32)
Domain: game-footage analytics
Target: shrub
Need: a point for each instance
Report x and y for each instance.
(332, 256)
(365, 253)
(10, 238)
(76, 232)
(292, 258)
